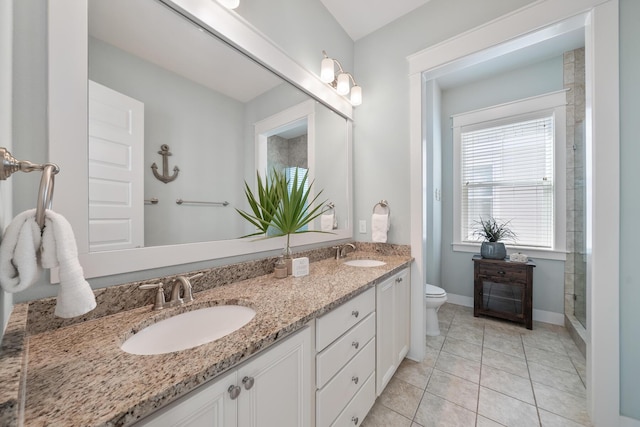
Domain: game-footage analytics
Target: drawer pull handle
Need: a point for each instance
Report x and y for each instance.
(354, 420)
(355, 380)
(248, 382)
(355, 313)
(356, 344)
(399, 279)
(501, 272)
(234, 391)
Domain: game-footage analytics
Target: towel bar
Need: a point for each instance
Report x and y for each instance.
(9, 165)
(193, 202)
(384, 205)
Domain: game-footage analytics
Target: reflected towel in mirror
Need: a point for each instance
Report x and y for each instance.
(326, 221)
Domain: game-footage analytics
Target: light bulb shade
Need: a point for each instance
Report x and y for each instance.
(326, 70)
(343, 84)
(230, 4)
(356, 95)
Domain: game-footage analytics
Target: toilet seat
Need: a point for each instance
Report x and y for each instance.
(434, 291)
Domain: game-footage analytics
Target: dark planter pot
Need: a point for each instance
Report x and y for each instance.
(493, 250)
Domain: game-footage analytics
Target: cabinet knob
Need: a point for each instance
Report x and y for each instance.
(355, 313)
(356, 344)
(354, 420)
(399, 279)
(234, 391)
(248, 382)
(355, 379)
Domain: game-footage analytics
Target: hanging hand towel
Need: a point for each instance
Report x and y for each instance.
(379, 226)
(326, 221)
(75, 296)
(19, 266)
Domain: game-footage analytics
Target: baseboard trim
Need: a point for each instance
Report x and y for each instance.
(538, 315)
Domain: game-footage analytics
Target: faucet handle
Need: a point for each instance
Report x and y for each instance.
(160, 301)
(195, 276)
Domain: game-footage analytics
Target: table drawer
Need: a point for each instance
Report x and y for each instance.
(336, 355)
(334, 397)
(339, 320)
(359, 406)
(503, 272)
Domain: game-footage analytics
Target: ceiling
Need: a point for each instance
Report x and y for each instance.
(362, 17)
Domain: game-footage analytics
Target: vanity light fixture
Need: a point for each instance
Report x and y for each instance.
(230, 4)
(341, 81)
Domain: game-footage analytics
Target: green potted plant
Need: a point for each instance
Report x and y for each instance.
(493, 232)
(282, 209)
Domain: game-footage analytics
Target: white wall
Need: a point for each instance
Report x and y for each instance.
(629, 208)
(381, 132)
(457, 268)
(6, 63)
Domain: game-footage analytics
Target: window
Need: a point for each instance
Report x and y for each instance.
(509, 164)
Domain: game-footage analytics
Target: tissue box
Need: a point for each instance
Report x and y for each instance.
(300, 267)
(518, 257)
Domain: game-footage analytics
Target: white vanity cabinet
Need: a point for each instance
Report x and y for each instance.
(345, 362)
(272, 389)
(392, 326)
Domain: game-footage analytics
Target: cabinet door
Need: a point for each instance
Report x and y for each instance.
(276, 386)
(402, 336)
(386, 353)
(207, 406)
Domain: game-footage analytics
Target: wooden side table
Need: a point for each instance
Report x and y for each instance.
(503, 289)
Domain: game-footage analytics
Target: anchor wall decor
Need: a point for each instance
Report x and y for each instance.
(165, 153)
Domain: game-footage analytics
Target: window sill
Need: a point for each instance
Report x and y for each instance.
(551, 254)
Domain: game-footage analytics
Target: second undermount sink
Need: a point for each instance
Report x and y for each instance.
(364, 263)
(189, 329)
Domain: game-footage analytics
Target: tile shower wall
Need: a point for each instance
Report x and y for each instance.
(284, 152)
(575, 267)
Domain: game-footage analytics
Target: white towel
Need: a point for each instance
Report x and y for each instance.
(379, 226)
(59, 249)
(20, 266)
(326, 221)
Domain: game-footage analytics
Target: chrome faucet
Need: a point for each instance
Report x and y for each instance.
(341, 251)
(184, 283)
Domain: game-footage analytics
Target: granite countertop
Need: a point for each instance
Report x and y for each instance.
(78, 375)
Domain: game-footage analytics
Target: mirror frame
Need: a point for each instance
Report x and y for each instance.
(67, 105)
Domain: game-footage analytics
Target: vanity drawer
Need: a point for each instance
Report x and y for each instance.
(338, 321)
(359, 406)
(503, 272)
(332, 399)
(334, 357)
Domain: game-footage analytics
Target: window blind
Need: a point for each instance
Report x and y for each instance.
(507, 173)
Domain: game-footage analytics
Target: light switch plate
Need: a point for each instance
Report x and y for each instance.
(363, 226)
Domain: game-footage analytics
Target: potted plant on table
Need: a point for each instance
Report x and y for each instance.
(493, 232)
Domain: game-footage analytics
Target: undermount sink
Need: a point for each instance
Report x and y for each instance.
(189, 329)
(365, 263)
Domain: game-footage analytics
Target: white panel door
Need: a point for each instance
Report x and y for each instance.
(116, 166)
(276, 386)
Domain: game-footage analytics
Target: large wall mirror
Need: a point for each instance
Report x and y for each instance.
(167, 86)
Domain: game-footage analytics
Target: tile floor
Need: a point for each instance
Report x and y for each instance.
(485, 372)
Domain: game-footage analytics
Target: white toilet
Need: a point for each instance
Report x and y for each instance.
(434, 297)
